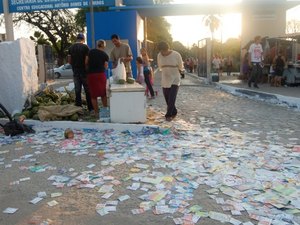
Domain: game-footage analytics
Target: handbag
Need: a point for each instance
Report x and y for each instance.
(119, 73)
(14, 127)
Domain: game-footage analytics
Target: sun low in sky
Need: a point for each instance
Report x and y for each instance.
(190, 29)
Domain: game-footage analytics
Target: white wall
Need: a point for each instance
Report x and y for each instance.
(18, 73)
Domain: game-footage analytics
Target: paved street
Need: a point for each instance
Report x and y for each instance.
(225, 159)
(197, 102)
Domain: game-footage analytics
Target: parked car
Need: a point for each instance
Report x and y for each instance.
(64, 71)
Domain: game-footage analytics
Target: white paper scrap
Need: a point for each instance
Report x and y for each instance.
(56, 194)
(107, 195)
(102, 211)
(41, 194)
(52, 203)
(177, 221)
(10, 210)
(25, 179)
(36, 200)
(123, 198)
(90, 166)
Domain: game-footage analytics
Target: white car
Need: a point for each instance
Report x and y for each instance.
(64, 71)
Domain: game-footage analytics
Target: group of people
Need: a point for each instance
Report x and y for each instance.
(89, 66)
(191, 64)
(218, 64)
(253, 63)
(89, 72)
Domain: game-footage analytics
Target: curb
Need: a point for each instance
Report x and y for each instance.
(47, 125)
(292, 102)
(88, 125)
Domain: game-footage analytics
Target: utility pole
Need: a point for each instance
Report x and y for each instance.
(9, 28)
(92, 23)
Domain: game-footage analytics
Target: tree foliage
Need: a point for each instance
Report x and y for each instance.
(179, 47)
(58, 26)
(39, 38)
(158, 30)
(232, 48)
(80, 16)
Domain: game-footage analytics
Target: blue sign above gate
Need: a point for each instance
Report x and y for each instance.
(36, 5)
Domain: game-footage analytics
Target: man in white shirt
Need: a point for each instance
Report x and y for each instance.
(255, 61)
(170, 63)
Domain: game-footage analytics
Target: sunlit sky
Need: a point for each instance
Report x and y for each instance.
(190, 29)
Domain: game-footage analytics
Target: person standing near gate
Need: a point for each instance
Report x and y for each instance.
(229, 65)
(170, 63)
(78, 58)
(255, 61)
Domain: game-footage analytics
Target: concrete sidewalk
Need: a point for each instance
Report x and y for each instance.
(263, 87)
(289, 96)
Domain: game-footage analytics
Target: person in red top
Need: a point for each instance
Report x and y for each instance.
(97, 64)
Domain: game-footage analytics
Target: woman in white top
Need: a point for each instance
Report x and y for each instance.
(170, 63)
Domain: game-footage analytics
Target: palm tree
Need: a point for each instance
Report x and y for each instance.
(213, 22)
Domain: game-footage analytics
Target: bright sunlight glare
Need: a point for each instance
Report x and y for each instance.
(190, 29)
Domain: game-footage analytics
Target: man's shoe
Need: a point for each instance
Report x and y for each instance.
(256, 86)
(169, 119)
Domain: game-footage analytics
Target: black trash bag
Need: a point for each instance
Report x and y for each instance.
(14, 127)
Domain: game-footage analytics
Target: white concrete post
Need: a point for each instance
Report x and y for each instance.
(9, 28)
(208, 58)
(41, 65)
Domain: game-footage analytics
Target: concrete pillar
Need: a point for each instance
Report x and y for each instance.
(264, 20)
(41, 65)
(9, 28)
